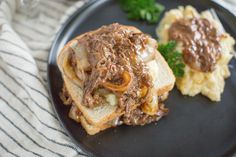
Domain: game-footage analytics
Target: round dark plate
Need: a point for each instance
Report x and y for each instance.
(195, 126)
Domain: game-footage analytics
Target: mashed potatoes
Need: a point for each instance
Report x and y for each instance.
(193, 82)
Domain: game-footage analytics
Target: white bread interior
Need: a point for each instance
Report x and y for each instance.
(162, 75)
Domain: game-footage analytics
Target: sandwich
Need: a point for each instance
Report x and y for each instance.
(114, 75)
(205, 47)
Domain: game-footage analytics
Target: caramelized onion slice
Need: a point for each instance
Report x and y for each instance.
(143, 91)
(151, 108)
(146, 108)
(122, 87)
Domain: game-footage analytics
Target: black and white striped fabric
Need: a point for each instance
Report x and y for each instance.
(28, 125)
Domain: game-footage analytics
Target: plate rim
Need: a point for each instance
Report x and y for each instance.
(54, 44)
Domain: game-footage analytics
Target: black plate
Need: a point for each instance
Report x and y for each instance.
(195, 126)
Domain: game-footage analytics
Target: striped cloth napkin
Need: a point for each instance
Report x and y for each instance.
(28, 124)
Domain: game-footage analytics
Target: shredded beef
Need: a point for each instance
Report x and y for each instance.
(112, 50)
(137, 117)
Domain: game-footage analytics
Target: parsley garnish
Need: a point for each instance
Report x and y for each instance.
(147, 10)
(173, 58)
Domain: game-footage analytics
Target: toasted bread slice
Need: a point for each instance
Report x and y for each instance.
(96, 116)
(76, 115)
(91, 129)
(162, 75)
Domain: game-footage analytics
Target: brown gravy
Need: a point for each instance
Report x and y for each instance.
(200, 41)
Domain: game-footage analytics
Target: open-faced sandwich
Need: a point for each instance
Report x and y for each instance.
(114, 75)
(206, 50)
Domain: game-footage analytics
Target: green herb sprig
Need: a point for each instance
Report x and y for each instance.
(147, 10)
(173, 57)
